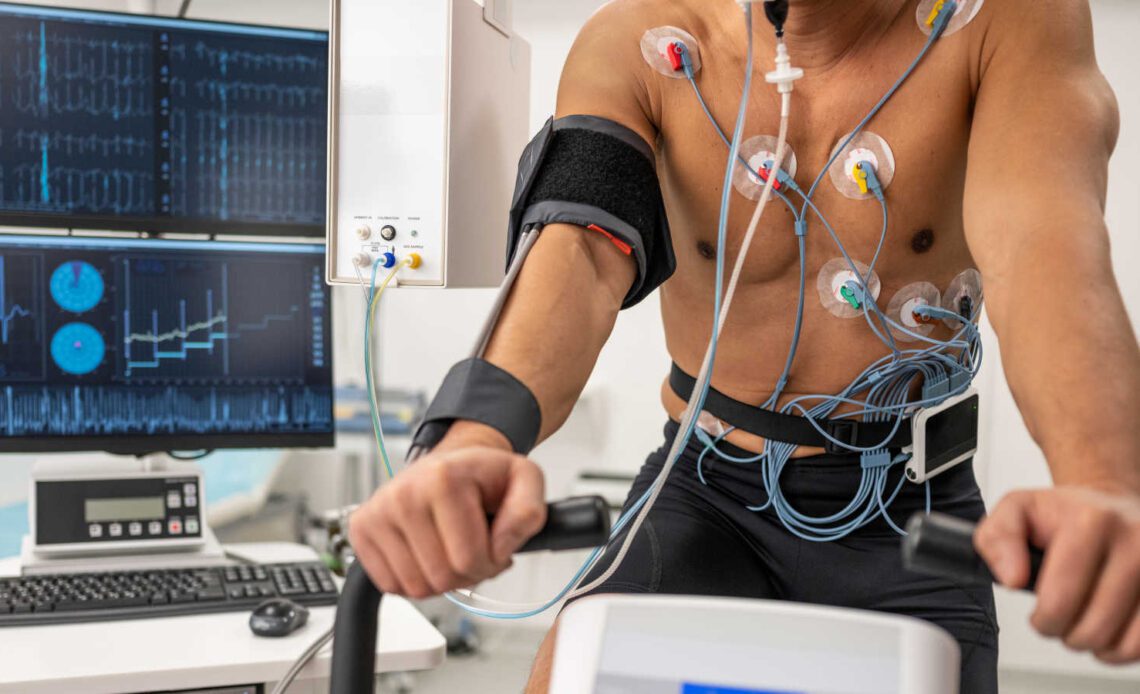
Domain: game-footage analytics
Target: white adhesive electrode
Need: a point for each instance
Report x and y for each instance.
(903, 306)
(835, 287)
(758, 151)
(655, 47)
(928, 9)
(967, 285)
(867, 146)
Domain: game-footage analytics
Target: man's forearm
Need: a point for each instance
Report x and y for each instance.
(559, 315)
(1071, 359)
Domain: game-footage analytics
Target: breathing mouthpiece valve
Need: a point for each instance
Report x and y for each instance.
(784, 76)
(777, 13)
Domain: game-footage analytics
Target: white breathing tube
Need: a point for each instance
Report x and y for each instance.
(704, 376)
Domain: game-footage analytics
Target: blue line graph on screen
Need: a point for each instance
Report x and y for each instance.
(161, 330)
(77, 349)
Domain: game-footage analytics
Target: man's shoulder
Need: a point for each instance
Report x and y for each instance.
(1030, 23)
(639, 15)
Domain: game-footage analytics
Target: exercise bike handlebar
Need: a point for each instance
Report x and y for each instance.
(579, 523)
(936, 544)
(940, 545)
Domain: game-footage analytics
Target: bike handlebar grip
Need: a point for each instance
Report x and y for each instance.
(940, 545)
(354, 634)
(578, 523)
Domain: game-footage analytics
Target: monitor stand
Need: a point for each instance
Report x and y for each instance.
(74, 487)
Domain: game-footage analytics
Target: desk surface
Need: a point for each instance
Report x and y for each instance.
(196, 651)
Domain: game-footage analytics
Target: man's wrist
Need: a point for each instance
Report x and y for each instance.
(468, 434)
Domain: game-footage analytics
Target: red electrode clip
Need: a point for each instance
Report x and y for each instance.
(621, 245)
(765, 172)
(673, 53)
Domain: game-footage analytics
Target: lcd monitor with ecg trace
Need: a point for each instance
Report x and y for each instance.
(149, 345)
(132, 122)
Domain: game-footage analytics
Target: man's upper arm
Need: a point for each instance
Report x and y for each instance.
(605, 74)
(1045, 124)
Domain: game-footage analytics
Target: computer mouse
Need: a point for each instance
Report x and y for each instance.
(278, 617)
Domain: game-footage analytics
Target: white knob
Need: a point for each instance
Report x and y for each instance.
(364, 233)
(362, 260)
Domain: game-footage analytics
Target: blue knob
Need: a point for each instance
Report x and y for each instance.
(389, 261)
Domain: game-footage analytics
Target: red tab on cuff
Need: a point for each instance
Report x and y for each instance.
(621, 245)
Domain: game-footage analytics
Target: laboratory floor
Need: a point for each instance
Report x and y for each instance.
(503, 665)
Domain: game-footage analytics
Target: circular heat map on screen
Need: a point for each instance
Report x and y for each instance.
(77, 348)
(76, 286)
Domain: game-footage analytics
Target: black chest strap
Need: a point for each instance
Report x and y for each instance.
(786, 428)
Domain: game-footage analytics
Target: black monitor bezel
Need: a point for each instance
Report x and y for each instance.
(136, 445)
(161, 225)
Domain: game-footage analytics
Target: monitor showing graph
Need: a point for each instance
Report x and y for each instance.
(130, 122)
(143, 345)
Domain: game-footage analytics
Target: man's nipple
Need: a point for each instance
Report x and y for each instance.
(922, 241)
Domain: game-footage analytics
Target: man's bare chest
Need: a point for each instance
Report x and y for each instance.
(918, 143)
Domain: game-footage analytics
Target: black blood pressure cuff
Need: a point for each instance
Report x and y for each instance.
(597, 174)
(479, 391)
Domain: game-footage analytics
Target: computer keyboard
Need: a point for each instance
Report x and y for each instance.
(97, 597)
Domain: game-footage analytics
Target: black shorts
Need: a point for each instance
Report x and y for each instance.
(701, 540)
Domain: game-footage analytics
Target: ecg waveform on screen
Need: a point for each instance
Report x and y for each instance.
(144, 123)
(117, 190)
(76, 126)
(58, 74)
(99, 411)
(9, 311)
(21, 326)
(253, 145)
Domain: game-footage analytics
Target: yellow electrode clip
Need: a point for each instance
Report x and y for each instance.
(861, 178)
(934, 13)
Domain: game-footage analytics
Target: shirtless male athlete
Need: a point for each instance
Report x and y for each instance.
(1002, 139)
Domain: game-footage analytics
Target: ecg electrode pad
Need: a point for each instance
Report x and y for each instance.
(902, 309)
(758, 151)
(840, 290)
(868, 147)
(928, 10)
(656, 45)
(964, 292)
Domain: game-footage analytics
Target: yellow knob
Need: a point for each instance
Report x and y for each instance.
(415, 261)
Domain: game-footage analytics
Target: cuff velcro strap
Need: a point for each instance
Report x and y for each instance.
(596, 173)
(478, 391)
